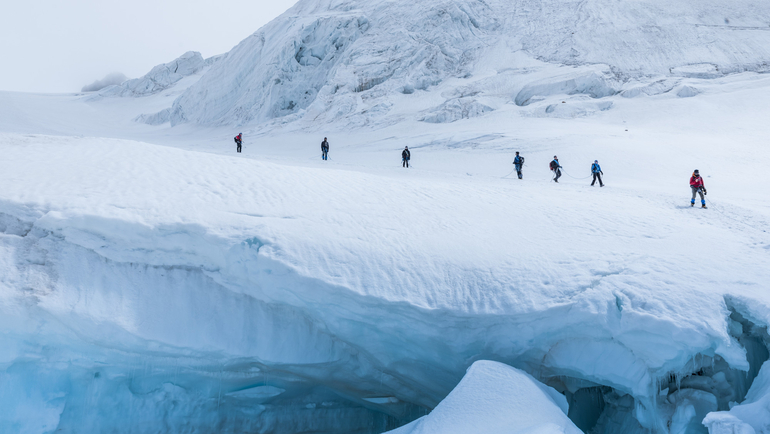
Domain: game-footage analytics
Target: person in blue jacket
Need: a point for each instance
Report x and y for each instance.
(596, 170)
(555, 168)
(517, 163)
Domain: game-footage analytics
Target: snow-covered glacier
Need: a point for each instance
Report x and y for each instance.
(153, 289)
(352, 62)
(153, 281)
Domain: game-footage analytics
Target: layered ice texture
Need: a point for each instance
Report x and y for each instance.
(151, 281)
(333, 61)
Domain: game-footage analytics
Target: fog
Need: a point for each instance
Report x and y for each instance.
(110, 79)
(55, 46)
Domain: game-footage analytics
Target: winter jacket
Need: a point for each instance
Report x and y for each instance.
(555, 165)
(595, 168)
(325, 146)
(696, 182)
(518, 160)
(405, 154)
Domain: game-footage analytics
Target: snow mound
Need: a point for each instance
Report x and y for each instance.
(687, 91)
(159, 78)
(494, 398)
(649, 89)
(575, 108)
(705, 70)
(456, 109)
(596, 84)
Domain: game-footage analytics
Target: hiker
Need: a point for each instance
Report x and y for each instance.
(518, 162)
(696, 184)
(238, 141)
(596, 171)
(555, 166)
(405, 156)
(325, 149)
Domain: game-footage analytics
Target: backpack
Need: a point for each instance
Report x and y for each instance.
(521, 160)
(553, 165)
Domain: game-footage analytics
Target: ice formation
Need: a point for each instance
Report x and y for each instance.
(160, 77)
(330, 60)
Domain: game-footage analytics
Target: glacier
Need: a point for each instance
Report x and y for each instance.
(334, 61)
(153, 281)
(199, 293)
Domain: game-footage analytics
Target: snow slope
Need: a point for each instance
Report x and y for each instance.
(357, 293)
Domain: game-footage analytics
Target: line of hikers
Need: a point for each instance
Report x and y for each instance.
(696, 182)
(555, 166)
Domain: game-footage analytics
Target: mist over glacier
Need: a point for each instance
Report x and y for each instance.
(154, 281)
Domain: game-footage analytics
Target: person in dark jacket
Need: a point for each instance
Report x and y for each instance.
(517, 163)
(405, 156)
(555, 166)
(238, 141)
(697, 187)
(596, 171)
(325, 149)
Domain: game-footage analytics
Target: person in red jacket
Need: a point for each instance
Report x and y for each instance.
(696, 184)
(239, 141)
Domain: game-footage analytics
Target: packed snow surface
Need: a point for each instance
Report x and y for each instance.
(154, 281)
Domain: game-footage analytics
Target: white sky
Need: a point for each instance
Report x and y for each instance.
(62, 45)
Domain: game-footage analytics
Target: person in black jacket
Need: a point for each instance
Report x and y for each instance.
(239, 141)
(405, 156)
(325, 149)
(517, 163)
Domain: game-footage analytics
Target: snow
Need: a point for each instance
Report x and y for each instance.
(496, 398)
(153, 280)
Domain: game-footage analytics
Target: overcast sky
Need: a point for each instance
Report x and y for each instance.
(62, 45)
